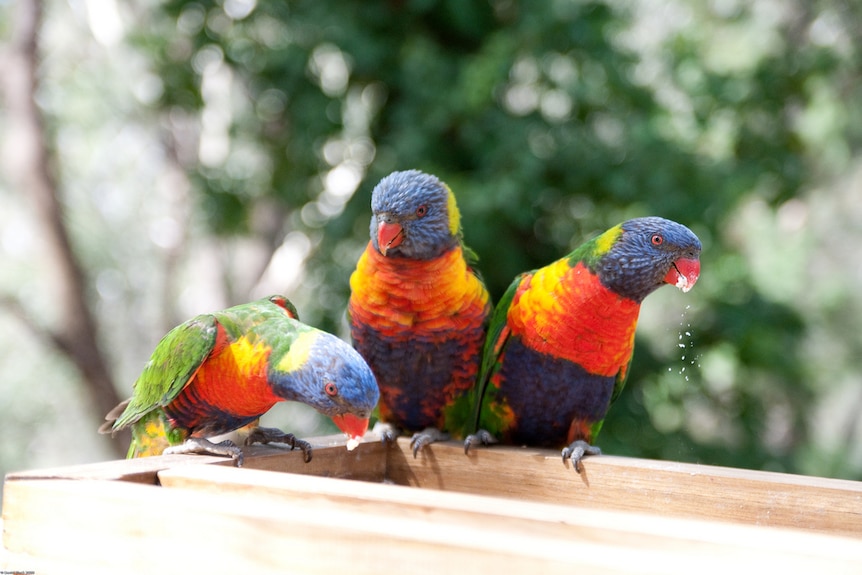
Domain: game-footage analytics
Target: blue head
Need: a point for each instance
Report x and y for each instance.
(414, 216)
(326, 373)
(646, 253)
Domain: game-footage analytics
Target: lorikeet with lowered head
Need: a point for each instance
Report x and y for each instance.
(561, 339)
(218, 372)
(417, 309)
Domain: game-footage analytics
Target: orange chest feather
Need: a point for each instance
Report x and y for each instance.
(567, 312)
(234, 378)
(400, 294)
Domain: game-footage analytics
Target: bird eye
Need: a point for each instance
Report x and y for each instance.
(330, 388)
(421, 210)
(657, 239)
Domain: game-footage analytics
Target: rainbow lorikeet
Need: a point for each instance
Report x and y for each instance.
(561, 339)
(418, 311)
(218, 372)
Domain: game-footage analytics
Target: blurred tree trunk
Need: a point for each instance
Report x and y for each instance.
(75, 333)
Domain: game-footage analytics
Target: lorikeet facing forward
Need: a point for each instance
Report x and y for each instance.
(417, 309)
(561, 339)
(218, 372)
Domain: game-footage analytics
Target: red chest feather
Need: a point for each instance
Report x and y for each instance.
(400, 296)
(566, 312)
(234, 379)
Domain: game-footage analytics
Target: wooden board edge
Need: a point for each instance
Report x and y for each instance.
(124, 526)
(328, 457)
(667, 489)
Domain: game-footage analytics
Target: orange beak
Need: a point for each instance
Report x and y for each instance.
(683, 273)
(389, 235)
(353, 427)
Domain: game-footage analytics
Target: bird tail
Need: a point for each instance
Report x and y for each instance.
(152, 434)
(111, 418)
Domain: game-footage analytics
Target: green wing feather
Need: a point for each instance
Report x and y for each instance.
(176, 359)
(620, 381)
(495, 343)
(619, 384)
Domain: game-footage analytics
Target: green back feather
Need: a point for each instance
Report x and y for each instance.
(174, 362)
(180, 354)
(591, 252)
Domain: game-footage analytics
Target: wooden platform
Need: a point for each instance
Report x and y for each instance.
(379, 510)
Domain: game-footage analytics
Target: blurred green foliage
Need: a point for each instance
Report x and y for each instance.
(551, 121)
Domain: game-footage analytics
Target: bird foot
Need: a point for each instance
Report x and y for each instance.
(577, 450)
(481, 437)
(273, 435)
(386, 431)
(425, 437)
(200, 445)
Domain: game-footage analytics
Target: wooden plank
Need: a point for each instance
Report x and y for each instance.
(264, 522)
(678, 542)
(141, 470)
(133, 528)
(330, 458)
(657, 487)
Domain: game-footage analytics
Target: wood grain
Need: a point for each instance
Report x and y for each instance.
(330, 458)
(223, 519)
(499, 510)
(657, 487)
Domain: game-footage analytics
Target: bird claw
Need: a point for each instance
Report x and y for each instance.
(272, 435)
(386, 431)
(481, 437)
(425, 437)
(576, 451)
(201, 445)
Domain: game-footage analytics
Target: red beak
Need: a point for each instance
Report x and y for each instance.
(388, 236)
(683, 273)
(354, 427)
